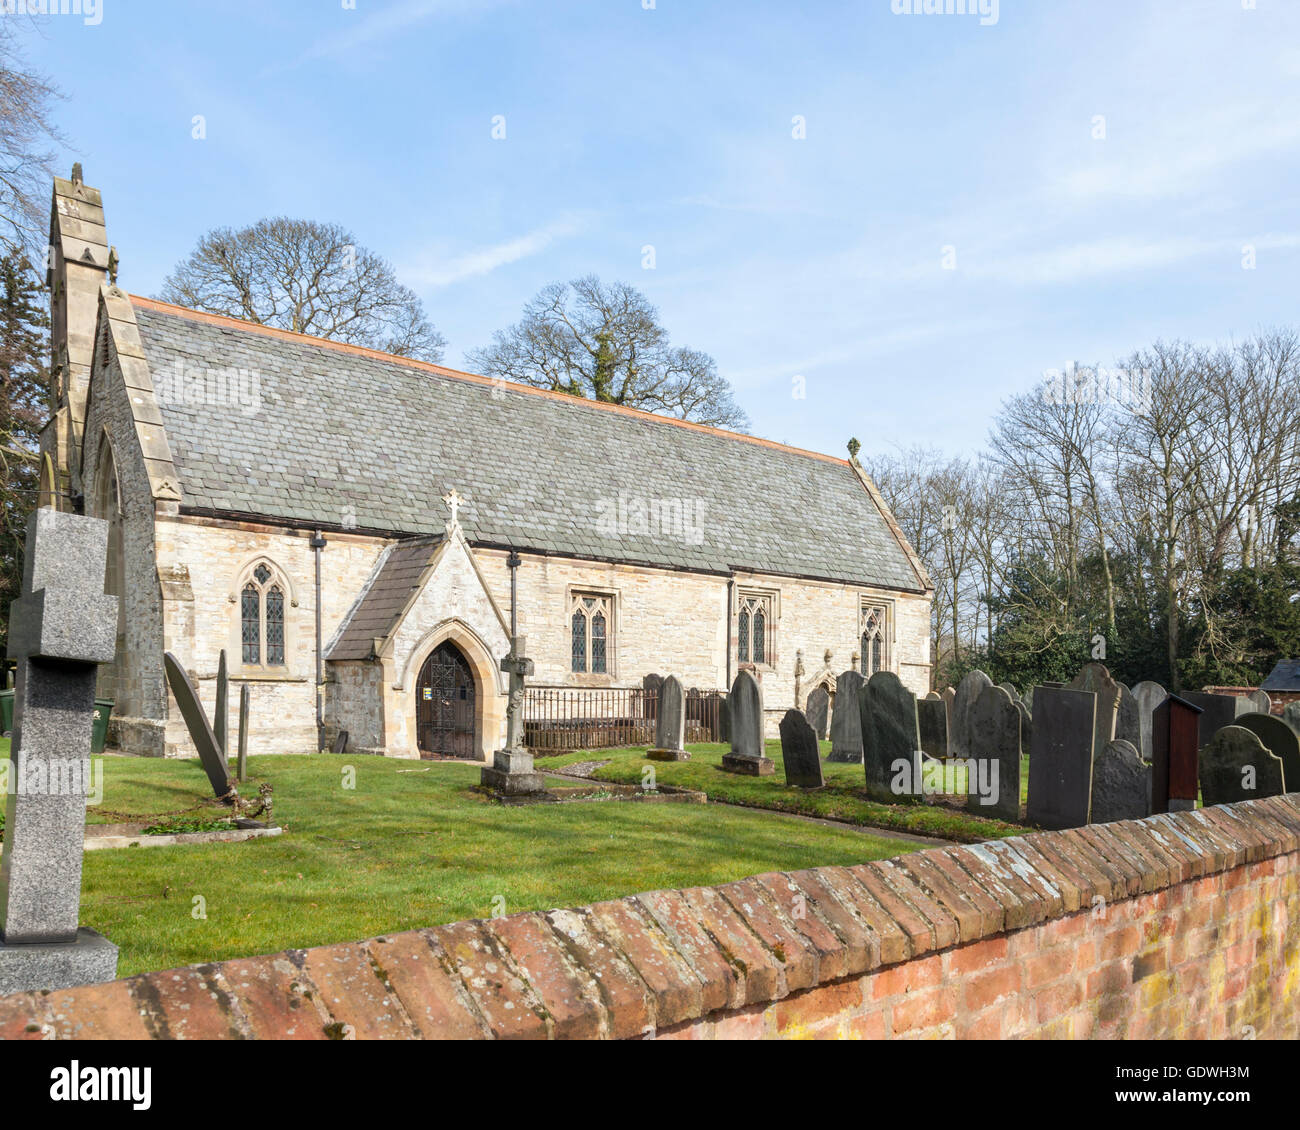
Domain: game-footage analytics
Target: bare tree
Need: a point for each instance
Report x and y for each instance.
(605, 343)
(308, 277)
(27, 135)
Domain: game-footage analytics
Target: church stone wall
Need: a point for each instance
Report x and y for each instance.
(354, 698)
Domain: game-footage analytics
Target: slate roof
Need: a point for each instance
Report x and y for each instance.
(339, 435)
(376, 613)
(1284, 677)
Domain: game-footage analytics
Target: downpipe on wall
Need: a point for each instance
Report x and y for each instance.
(318, 543)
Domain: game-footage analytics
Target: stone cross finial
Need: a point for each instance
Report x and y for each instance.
(60, 629)
(453, 500)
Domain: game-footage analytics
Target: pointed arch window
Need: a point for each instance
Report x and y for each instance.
(874, 651)
(755, 628)
(590, 632)
(261, 618)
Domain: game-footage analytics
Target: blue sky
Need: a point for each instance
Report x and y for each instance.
(819, 257)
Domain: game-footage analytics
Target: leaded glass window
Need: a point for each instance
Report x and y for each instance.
(592, 631)
(875, 651)
(754, 625)
(261, 619)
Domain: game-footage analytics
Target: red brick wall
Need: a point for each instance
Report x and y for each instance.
(1182, 925)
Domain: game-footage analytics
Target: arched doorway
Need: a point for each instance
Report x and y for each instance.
(445, 697)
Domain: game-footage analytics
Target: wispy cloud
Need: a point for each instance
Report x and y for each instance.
(485, 260)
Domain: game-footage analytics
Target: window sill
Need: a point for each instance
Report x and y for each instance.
(251, 675)
(578, 680)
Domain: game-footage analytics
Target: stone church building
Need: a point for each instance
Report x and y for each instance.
(356, 530)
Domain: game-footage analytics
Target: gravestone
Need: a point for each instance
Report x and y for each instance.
(1060, 760)
(1260, 702)
(1149, 695)
(1291, 715)
(1217, 711)
(241, 761)
(1236, 766)
(511, 772)
(963, 704)
(724, 719)
(1175, 725)
(60, 629)
(747, 754)
(1121, 784)
(948, 694)
(1012, 693)
(846, 720)
(211, 756)
(1128, 721)
(994, 749)
(819, 710)
(221, 709)
(800, 752)
(932, 723)
(670, 726)
(650, 684)
(1280, 740)
(1096, 678)
(891, 742)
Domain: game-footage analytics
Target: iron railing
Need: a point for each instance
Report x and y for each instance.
(557, 719)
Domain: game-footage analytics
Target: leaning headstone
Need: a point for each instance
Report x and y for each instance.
(670, 725)
(800, 752)
(1291, 715)
(511, 772)
(963, 705)
(1235, 766)
(1175, 769)
(1060, 760)
(891, 741)
(60, 629)
(932, 722)
(1121, 784)
(211, 756)
(747, 754)
(1260, 702)
(1149, 695)
(1280, 740)
(1012, 693)
(993, 764)
(1217, 711)
(1096, 678)
(819, 710)
(846, 721)
(221, 709)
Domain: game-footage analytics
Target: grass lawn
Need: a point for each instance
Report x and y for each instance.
(411, 845)
(842, 799)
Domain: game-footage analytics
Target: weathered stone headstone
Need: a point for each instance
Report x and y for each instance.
(994, 758)
(221, 708)
(1217, 711)
(1128, 720)
(1060, 760)
(949, 696)
(511, 772)
(1121, 784)
(60, 629)
(748, 755)
(1175, 724)
(1096, 678)
(1280, 740)
(724, 719)
(670, 725)
(1149, 695)
(241, 763)
(1260, 702)
(932, 722)
(846, 721)
(211, 756)
(1012, 693)
(800, 752)
(1235, 766)
(819, 710)
(650, 684)
(1291, 715)
(963, 705)
(891, 742)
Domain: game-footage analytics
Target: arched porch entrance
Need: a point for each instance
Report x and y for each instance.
(446, 698)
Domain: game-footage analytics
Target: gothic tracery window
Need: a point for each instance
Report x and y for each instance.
(591, 631)
(261, 618)
(754, 624)
(875, 640)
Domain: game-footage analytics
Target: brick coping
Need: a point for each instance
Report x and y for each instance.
(635, 966)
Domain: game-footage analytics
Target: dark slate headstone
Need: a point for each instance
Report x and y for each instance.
(963, 705)
(846, 721)
(1149, 695)
(724, 720)
(650, 684)
(211, 756)
(891, 742)
(1236, 766)
(932, 721)
(1175, 724)
(747, 751)
(1121, 784)
(1095, 677)
(1291, 715)
(221, 709)
(819, 710)
(670, 725)
(1280, 740)
(1217, 711)
(1060, 760)
(800, 752)
(993, 764)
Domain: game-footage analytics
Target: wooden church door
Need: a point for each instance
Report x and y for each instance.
(444, 704)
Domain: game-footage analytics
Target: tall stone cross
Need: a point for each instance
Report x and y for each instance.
(60, 629)
(518, 666)
(453, 501)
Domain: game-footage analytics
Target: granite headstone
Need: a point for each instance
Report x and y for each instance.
(846, 720)
(800, 752)
(1121, 784)
(1060, 760)
(1236, 766)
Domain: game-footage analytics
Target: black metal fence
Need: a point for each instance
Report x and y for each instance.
(559, 719)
